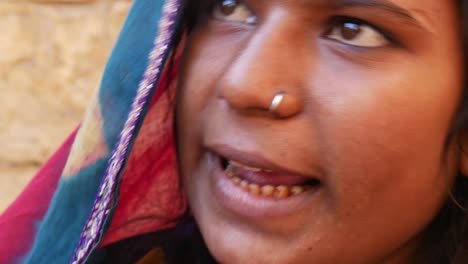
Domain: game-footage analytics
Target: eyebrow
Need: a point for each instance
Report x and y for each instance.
(380, 4)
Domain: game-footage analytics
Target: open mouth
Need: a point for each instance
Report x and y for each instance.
(266, 182)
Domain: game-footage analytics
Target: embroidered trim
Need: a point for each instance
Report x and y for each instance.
(101, 209)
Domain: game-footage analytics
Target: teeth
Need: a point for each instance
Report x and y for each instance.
(282, 191)
(268, 190)
(230, 170)
(237, 164)
(244, 184)
(297, 190)
(279, 192)
(254, 188)
(236, 180)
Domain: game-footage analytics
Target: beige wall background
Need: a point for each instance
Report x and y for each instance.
(52, 54)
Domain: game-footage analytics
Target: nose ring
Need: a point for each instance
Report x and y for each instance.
(276, 102)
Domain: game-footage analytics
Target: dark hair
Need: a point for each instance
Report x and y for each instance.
(445, 240)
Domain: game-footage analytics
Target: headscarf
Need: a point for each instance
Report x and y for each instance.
(116, 176)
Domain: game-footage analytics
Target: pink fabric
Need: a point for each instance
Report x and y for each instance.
(18, 223)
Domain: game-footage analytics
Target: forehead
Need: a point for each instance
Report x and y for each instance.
(431, 13)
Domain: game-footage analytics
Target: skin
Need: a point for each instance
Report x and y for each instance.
(371, 123)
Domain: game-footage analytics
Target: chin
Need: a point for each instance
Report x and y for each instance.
(234, 248)
(237, 238)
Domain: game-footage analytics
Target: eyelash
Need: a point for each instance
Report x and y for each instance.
(330, 24)
(341, 19)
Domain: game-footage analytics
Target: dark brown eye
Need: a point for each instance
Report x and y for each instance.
(228, 7)
(356, 33)
(350, 30)
(234, 11)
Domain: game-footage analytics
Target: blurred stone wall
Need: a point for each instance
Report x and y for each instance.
(52, 54)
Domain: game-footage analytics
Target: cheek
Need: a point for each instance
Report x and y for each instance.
(385, 136)
(210, 52)
(383, 144)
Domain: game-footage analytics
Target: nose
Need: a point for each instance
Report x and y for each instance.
(269, 74)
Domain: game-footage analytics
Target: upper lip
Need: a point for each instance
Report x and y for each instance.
(254, 159)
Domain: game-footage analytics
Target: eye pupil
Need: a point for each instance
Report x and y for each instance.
(349, 31)
(228, 7)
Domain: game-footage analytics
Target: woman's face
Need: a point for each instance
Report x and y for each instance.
(352, 166)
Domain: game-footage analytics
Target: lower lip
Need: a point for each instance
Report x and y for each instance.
(243, 203)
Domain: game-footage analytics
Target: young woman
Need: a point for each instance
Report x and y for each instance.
(301, 131)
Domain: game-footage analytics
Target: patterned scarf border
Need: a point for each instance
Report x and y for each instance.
(101, 209)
